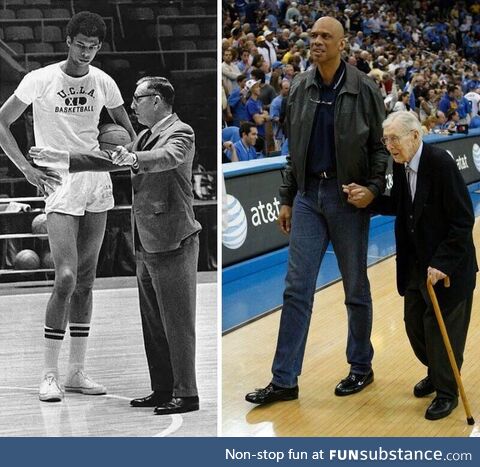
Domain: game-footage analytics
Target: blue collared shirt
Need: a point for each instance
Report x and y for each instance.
(244, 153)
(321, 148)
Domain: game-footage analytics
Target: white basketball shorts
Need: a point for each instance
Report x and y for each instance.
(80, 192)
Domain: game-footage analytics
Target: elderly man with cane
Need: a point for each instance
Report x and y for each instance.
(433, 231)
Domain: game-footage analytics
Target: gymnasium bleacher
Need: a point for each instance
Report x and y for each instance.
(176, 39)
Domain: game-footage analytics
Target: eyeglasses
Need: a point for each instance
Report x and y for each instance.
(136, 98)
(316, 101)
(393, 140)
(86, 48)
(320, 101)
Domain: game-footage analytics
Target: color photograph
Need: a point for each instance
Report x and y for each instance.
(350, 159)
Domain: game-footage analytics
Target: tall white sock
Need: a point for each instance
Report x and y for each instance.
(53, 345)
(78, 345)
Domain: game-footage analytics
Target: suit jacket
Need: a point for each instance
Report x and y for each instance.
(162, 204)
(442, 225)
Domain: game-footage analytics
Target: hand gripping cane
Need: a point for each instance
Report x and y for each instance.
(448, 347)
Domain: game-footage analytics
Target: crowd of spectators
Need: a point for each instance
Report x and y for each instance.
(423, 55)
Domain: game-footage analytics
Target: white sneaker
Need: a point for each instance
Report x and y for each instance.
(50, 390)
(78, 381)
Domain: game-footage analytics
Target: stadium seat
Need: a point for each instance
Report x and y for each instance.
(209, 6)
(161, 30)
(56, 13)
(207, 45)
(50, 34)
(7, 14)
(29, 13)
(1, 34)
(38, 2)
(141, 14)
(168, 11)
(17, 47)
(184, 45)
(18, 33)
(187, 30)
(211, 9)
(14, 2)
(208, 30)
(194, 11)
(38, 47)
(203, 63)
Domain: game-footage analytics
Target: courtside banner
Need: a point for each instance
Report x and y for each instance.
(253, 208)
(231, 452)
(466, 152)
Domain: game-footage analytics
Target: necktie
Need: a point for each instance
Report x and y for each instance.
(144, 139)
(408, 172)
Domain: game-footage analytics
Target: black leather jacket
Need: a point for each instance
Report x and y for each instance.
(359, 113)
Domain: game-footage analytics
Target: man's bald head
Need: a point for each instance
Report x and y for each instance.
(332, 24)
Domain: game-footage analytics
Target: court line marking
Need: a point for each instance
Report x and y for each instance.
(177, 419)
(175, 424)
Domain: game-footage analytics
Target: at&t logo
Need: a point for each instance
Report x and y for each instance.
(234, 235)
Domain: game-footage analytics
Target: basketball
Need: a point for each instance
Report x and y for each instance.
(26, 259)
(112, 135)
(39, 224)
(47, 260)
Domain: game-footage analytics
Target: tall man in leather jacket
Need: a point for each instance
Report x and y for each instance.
(334, 122)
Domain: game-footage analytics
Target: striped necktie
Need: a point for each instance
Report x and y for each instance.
(144, 139)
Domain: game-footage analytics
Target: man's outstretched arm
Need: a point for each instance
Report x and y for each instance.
(92, 161)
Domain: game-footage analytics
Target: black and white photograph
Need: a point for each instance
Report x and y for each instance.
(108, 213)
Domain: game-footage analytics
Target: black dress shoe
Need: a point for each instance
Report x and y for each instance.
(154, 399)
(178, 405)
(272, 393)
(353, 383)
(423, 388)
(440, 407)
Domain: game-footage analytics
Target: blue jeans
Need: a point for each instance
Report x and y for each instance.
(319, 216)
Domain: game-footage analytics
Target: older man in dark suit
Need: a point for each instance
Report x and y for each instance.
(433, 231)
(165, 236)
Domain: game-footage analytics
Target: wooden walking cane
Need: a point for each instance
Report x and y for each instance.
(448, 347)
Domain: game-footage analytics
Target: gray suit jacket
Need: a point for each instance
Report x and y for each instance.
(162, 189)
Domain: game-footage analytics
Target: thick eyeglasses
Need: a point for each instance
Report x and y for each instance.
(137, 98)
(86, 48)
(393, 140)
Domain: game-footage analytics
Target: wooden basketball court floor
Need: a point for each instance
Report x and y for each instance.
(115, 357)
(386, 408)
